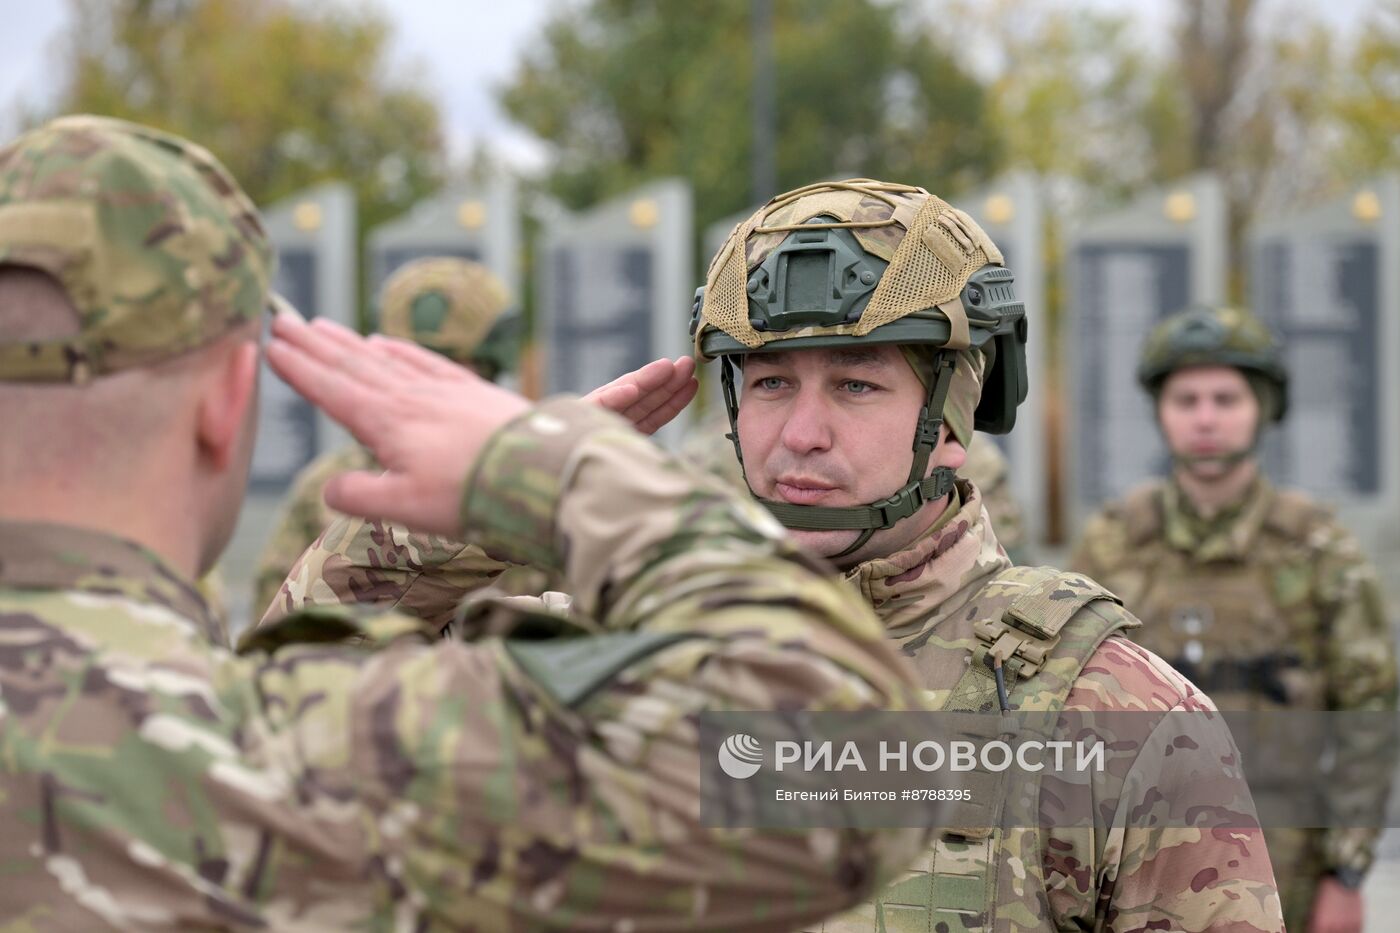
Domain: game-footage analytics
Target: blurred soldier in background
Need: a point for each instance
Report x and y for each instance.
(1257, 594)
(452, 306)
(347, 771)
(851, 420)
(987, 469)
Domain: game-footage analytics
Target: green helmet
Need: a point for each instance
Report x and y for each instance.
(453, 306)
(863, 262)
(1217, 336)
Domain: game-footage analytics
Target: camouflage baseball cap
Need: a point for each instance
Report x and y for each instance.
(1217, 336)
(155, 244)
(446, 304)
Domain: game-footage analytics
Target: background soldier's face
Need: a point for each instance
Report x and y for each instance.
(1205, 412)
(835, 428)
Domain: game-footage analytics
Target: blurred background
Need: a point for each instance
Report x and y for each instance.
(1129, 158)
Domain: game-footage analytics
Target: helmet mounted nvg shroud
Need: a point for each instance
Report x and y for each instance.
(858, 263)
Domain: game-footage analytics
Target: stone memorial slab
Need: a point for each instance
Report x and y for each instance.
(614, 287)
(314, 233)
(1010, 211)
(1325, 280)
(479, 221)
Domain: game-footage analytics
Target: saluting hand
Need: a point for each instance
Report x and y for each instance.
(651, 396)
(425, 419)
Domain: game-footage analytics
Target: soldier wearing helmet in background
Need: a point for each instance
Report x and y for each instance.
(452, 306)
(1257, 594)
(863, 330)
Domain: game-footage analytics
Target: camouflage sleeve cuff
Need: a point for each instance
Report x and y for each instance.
(512, 500)
(1350, 849)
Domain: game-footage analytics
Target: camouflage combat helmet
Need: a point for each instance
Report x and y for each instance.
(1217, 336)
(153, 241)
(452, 306)
(862, 262)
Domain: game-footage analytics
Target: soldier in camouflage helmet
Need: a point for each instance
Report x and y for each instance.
(1256, 593)
(452, 306)
(863, 330)
(345, 771)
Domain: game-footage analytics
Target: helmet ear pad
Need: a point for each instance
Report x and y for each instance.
(1272, 395)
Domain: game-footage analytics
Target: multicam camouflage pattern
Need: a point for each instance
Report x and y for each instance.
(931, 248)
(443, 303)
(928, 597)
(1124, 877)
(214, 591)
(1217, 336)
(882, 241)
(357, 773)
(301, 519)
(155, 244)
(1268, 605)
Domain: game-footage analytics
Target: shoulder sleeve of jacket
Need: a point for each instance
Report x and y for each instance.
(1182, 847)
(373, 562)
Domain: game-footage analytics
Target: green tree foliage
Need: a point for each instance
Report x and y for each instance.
(628, 90)
(286, 94)
(1072, 89)
(1367, 102)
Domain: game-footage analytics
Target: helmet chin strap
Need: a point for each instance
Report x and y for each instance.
(1227, 460)
(917, 491)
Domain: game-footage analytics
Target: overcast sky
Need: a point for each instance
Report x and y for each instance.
(461, 48)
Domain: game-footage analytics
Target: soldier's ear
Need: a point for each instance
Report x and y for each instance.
(228, 401)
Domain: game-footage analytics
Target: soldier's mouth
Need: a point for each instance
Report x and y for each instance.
(803, 491)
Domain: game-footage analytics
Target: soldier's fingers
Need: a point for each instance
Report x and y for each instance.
(653, 375)
(343, 348)
(329, 344)
(336, 333)
(325, 386)
(673, 406)
(393, 497)
(618, 398)
(420, 359)
(660, 395)
(645, 379)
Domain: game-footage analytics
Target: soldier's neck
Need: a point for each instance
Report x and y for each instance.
(162, 525)
(1211, 494)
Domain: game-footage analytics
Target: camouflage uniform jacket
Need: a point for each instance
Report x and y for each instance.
(928, 597)
(1270, 605)
(1060, 876)
(345, 773)
(301, 519)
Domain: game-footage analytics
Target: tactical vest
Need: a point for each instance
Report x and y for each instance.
(1247, 632)
(1042, 626)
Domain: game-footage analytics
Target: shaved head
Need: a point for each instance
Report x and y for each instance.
(130, 446)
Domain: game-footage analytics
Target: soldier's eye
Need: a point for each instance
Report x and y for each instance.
(770, 383)
(856, 387)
